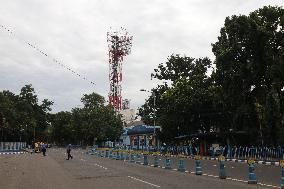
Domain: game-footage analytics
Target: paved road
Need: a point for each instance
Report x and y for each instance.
(29, 171)
(266, 174)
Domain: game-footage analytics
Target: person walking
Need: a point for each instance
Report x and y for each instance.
(33, 147)
(69, 152)
(43, 149)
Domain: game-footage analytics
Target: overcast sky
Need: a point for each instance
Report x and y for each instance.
(74, 32)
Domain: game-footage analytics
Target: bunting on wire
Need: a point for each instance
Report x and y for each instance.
(46, 55)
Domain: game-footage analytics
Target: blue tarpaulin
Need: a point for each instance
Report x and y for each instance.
(141, 129)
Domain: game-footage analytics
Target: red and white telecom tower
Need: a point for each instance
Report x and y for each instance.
(119, 45)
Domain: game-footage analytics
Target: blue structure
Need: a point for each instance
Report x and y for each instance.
(127, 156)
(139, 136)
(107, 154)
(156, 161)
(12, 146)
(114, 155)
(252, 176)
(181, 166)
(132, 158)
(222, 172)
(168, 163)
(124, 137)
(145, 160)
(282, 177)
(141, 129)
(117, 156)
(198, 169)
(121, 156)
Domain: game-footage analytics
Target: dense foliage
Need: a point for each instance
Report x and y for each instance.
(95, 122)
(244, 92)
(23, 118)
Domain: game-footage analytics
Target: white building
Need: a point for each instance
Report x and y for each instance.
(128, 115)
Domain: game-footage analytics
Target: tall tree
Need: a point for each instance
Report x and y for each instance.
(184, 101)
(22, 117)
(95, 122)
(250, 69)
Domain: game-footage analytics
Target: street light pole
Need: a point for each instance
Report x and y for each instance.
(154, 111)
(154, 96)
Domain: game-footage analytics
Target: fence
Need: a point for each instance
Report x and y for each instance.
(236, 152)
(12, 146)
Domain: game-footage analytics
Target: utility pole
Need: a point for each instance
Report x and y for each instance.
(154, 112)
(34, 133)
(154, 95)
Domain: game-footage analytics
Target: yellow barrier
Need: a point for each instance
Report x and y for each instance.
(251, 161)
(103, 149)
(197, 157)
(146, 153)
(221, 158)
(156, 153)
(167, 154)
(181, 156)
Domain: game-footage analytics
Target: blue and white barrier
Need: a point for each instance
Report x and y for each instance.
(12, 146)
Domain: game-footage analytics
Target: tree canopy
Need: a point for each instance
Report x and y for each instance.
(22, 117)
(242, 90)
(94, 122)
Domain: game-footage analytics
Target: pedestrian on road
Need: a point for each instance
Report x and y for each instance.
(43, 149)
(69, 152)
(33, 147)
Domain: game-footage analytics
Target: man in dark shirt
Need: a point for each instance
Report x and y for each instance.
(43, 149)
(69, 152)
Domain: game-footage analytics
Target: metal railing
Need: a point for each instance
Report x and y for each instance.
(12, 146)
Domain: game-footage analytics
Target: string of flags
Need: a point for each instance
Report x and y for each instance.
(47, 55)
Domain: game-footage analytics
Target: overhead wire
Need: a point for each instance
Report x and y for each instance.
(46, 55)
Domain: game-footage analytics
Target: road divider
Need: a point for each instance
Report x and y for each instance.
(281, 163)
(156, 161)
(222, 172)
(145, 162)
(198, 168)
(136, 156)
(168, 163)
(251, 176)
(181, 166)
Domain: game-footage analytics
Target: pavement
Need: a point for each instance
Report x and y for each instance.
(33, 171)
(266, 174)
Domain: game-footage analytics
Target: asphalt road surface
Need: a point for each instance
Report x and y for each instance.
(266, 174)
(33, 171)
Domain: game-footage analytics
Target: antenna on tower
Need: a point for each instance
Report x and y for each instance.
(119, 45)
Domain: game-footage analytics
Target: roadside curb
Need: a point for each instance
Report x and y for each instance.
(7, 153)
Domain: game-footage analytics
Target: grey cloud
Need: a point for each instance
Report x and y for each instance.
(74, 32)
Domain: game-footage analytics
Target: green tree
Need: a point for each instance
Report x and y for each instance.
(101, 122)
(62, 128)
(183, 107)
(21, 115)
(95, 122)
(249, 69)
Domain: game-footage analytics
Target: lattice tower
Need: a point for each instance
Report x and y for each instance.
(119, 45)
